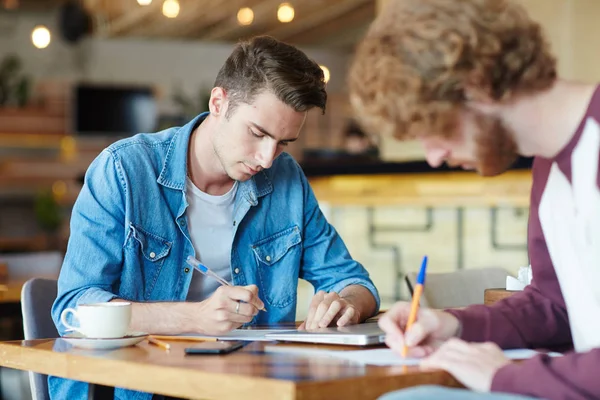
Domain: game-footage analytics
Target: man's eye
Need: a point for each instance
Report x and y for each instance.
(255, 134)
(284, 143)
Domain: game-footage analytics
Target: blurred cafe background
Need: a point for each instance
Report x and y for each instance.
(78, 75)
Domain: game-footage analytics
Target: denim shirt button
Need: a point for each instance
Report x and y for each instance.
(152, 254)
(186, 270)
(233, 223)
(182, 222)
(236, 271)
(268, 258)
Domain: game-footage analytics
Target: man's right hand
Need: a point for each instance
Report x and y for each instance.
(218, 314)
(430, 330)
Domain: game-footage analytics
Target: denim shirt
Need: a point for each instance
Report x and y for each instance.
(129, 236)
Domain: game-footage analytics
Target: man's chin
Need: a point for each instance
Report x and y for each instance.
(239, 176)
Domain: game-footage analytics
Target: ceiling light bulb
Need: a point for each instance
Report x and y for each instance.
(171, 8)
(40, 37)
(144, 2)
(245, 16)
(326, 73)
(285, 12)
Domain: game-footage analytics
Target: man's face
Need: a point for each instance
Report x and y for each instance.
(254, 135)
(481, 142)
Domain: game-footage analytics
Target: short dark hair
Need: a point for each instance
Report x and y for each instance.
(264, 63)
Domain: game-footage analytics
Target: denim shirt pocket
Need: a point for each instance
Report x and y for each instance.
(150, 252)
(278, 257)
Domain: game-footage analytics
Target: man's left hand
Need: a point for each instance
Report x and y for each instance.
(473, 364)
(330, 308)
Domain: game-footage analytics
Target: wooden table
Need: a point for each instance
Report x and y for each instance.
(250, 373)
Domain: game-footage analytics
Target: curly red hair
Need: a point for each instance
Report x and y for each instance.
(410, 72)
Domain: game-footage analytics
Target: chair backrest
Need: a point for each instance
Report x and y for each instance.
(37, 297)
(459, 288)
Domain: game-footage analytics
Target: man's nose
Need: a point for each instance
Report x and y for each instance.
(266, 155)
(435, 156)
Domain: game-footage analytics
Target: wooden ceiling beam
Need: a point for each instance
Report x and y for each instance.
(229, 29)
(344, 29)
(128, 20)
(191, 12)
(221, 12)
(319, 17)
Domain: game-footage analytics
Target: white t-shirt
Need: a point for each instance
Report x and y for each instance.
(210, 222)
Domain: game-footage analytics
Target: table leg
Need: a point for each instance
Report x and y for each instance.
(100, 392)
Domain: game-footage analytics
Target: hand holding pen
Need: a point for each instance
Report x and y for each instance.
(415, 332)
(229, 306)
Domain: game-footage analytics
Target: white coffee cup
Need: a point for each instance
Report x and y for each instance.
(100, 320)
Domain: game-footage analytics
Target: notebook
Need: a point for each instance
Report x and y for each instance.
(356, 335)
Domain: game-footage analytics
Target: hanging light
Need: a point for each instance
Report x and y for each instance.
(40, 37)
(144, 2)
(285, 12)
(170, 8)
(245, 16)
(326, 73)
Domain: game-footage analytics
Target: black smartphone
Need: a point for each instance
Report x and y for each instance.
(218, 347)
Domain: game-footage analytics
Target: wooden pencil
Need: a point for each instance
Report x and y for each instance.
(159, 343)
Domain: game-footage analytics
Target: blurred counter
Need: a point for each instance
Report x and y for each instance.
(368, 183)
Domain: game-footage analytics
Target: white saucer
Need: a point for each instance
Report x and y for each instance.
(78, 340)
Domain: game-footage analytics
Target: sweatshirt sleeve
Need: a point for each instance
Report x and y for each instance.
(537, 316)
(572, 376)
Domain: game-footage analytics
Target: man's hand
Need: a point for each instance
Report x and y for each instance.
(432, 328)
(473, 364)
(228, 308)
(330, 308)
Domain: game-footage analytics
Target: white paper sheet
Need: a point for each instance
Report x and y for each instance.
(521, 354)
(381, 356)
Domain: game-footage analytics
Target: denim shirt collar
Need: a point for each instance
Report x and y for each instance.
(174, 170)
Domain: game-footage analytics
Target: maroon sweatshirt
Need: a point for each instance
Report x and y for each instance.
(561, 307)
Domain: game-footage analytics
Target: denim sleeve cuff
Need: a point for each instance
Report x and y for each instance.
(96, 295)
(338, 287)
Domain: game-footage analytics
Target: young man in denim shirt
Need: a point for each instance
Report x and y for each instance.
(221, 189)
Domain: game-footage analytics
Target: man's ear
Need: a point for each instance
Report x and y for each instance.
(217, 104)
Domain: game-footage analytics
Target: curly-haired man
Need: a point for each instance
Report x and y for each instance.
(475, 82)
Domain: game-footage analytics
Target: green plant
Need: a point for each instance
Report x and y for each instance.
(47, 211)
(15, 88)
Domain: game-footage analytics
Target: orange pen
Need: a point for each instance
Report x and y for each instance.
(414, 306)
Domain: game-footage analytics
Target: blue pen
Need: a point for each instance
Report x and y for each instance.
(204, 270)
(414, 306)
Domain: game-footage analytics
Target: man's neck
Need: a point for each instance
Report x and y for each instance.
(204, 168)
(545, 123)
